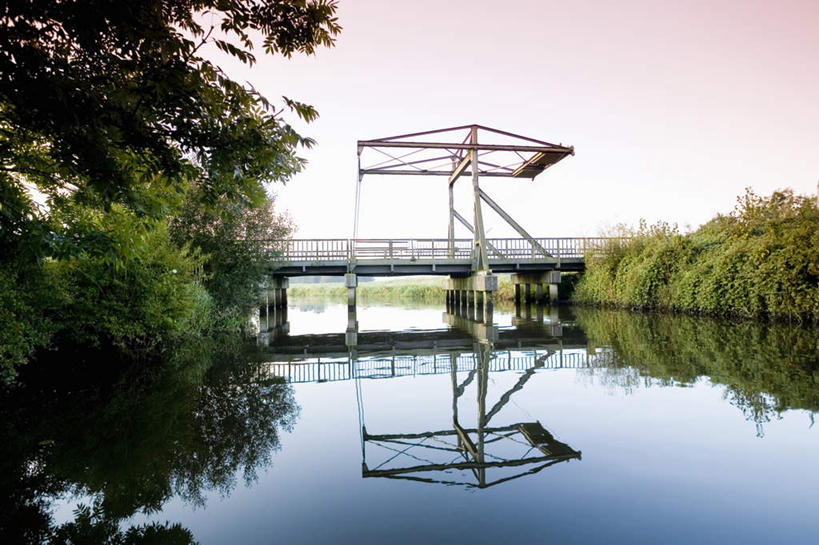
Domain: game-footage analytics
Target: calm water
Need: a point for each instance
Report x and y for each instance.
(415, 425)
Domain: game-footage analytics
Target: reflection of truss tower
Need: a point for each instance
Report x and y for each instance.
(436, 455)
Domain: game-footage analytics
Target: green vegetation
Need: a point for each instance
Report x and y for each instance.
(422, 290)
(761, 260)
(425, 290)
(766, 369)
(130, 162)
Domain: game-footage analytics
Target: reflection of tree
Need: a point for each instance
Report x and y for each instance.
(135, 438)
(767, 368)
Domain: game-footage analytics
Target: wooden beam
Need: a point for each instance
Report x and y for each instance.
(391, 172)
(480, 147)
(459, 169)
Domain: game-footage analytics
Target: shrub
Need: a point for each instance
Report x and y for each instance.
(761, 260)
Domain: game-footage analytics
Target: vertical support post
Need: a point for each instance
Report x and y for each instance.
(489, 308)
(451, 251)
(527, 292)
(351, 281)
(351, 335)
(357, 200)
(539, 293)
(517, 294)
(482, 263)
(554, 282)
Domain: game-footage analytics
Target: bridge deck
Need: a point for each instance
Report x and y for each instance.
(393, 257)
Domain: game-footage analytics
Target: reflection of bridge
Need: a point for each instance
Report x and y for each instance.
(299, 370)
(463, 455)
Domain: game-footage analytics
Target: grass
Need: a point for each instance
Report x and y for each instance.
(406, 289)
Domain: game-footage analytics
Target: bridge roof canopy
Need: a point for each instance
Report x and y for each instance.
(446, 152)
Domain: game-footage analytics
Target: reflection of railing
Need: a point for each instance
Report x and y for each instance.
(510, 249)
(402, 366)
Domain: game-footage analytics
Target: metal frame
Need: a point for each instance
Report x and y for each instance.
(456, 152)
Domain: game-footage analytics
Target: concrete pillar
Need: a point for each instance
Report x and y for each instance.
(517, 294)
(554, 282)
(527, 292)
(538, 293)
(488, 307)
(351, 334)
(351, 282)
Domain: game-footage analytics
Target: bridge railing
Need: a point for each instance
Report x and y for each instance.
(511, 249)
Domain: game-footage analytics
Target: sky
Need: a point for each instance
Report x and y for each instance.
(673, 108)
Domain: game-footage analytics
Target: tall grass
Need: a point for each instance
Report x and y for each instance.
(760, 260)
(426, 290)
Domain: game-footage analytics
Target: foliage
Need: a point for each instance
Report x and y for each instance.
(140, 291)
(24, 328)
(115, 102)
(766, 369)
(115, 116)
(761, 260)
(233, 240)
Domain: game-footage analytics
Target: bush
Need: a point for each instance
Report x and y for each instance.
(761, 260)
(141, 292)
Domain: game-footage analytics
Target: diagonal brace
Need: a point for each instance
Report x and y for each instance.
(496, 207)
(468, 225)
(460, 168)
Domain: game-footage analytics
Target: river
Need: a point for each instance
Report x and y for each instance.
(411, 424)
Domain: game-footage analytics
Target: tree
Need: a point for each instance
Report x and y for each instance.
(113, 102)
(233, 239)
(111, 118)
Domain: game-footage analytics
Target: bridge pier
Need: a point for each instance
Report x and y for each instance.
(474, 294)
(351, 282)
(552, 278)
(273, 310)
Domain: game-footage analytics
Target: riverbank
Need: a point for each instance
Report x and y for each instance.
(410, 289)
(761, 260)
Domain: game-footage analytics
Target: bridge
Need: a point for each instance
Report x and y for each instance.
(472, 151)
(428, 256)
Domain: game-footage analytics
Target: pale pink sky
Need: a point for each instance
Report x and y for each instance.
(673, 107)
